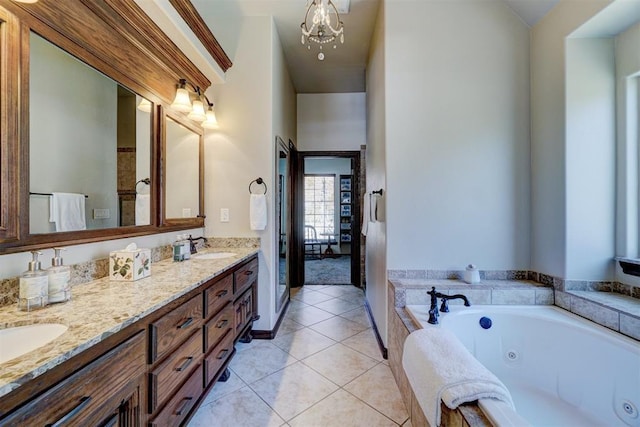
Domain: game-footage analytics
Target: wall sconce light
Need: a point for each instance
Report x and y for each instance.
(144, 105)
(196, 109)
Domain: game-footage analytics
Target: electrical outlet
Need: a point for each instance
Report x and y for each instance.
(101, 214)
(224, 215)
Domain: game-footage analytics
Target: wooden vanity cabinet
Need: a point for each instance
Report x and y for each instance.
(106, 392)
(154, 372)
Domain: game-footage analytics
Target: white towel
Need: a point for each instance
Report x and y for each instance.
(366, 213)
(67, 211)
(439, 368)
(373, 208)
(258, 211)
(143, 209)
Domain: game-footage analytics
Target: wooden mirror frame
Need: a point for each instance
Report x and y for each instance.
(181, 119)
(131, 50)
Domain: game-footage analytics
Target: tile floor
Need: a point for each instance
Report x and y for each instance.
(323, 369)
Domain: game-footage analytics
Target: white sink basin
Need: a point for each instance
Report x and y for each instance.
(21, 340)
(214, 255)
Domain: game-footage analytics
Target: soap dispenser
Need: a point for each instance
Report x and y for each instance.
(34, 286)
(59, 277)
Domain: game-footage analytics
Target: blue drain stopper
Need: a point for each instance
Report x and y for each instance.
(485, 322)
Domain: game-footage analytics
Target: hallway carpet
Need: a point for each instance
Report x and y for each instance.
(328, 271)
(324, 369)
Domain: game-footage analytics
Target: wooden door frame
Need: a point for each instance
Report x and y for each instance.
(297, 185)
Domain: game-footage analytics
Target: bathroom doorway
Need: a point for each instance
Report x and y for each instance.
(328, 218)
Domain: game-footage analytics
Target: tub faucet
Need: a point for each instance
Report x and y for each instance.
(192, 243)
(433, 310)
(444, 306)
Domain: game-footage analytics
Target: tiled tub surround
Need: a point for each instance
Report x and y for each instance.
(102, 307)
(97, 269)
(402, 292)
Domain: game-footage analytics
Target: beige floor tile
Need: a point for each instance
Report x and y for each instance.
(309, 316)
(296, 305)
(378, 388)
(337, 305)
(221, 389)
(240, 408)
(293, 389)
(341, 290)
(340, 410)
(303, 343)
(264, 359)
(339, 363)
(407, 423)
(338, 328)
(365, 342)
(358, 315)
(312, 297)
(287, 326)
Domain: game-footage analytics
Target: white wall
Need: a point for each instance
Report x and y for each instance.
(76, 155)
(331, 121)
(457, 136)
(243, 149)
(590, 158)
(548, 132)
(376, 246)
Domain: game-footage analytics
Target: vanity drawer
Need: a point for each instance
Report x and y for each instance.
(217, 357)
(218, 295)
(245, 276)
(175, 412)
(174, 327)
(82, 399)
(217, 327)
(165, 378)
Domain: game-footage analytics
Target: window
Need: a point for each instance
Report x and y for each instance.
(319, 203)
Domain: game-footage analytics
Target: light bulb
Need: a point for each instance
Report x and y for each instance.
(211, 122)
(197, 113)
(144, 105)
(182, 101)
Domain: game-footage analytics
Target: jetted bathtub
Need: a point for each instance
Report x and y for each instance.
(561, 369)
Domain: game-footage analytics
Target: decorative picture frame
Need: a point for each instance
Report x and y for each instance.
(345, 197)
(345, 184)
(345, 210)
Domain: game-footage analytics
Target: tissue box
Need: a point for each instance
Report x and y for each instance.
(129, 265)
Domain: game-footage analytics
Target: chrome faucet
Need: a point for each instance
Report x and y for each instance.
(444, 306)
(192, 243)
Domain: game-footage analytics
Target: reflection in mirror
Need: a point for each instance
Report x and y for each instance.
(89, 147)
(182, 179)
(282, 215)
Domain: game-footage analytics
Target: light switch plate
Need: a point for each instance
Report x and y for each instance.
(186, 212)
(224, 215)
(101, 214)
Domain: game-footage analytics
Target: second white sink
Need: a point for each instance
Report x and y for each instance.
(21, 340)
(214, 255)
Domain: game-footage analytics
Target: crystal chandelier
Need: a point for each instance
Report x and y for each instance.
(321, 25)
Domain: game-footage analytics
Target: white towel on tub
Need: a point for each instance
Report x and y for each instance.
(258, 211)
(439, 368)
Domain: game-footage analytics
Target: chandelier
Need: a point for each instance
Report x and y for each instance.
(322, 25)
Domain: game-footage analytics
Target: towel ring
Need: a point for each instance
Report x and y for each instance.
(258, 181)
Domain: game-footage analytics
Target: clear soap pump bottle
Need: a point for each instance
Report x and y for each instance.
(34, 286)
(59, 277)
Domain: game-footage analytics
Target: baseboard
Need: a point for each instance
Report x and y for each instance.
(381, 346)
(269, 335)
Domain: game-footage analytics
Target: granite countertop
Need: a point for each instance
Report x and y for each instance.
(102, 307)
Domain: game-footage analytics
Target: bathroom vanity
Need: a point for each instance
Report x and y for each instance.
(135, 353)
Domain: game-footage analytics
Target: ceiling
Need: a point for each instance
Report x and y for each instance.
(343, 69)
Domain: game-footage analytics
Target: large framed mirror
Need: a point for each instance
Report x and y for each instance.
(183, 171)
(89, 146)
(283, 216)
(84, 130)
